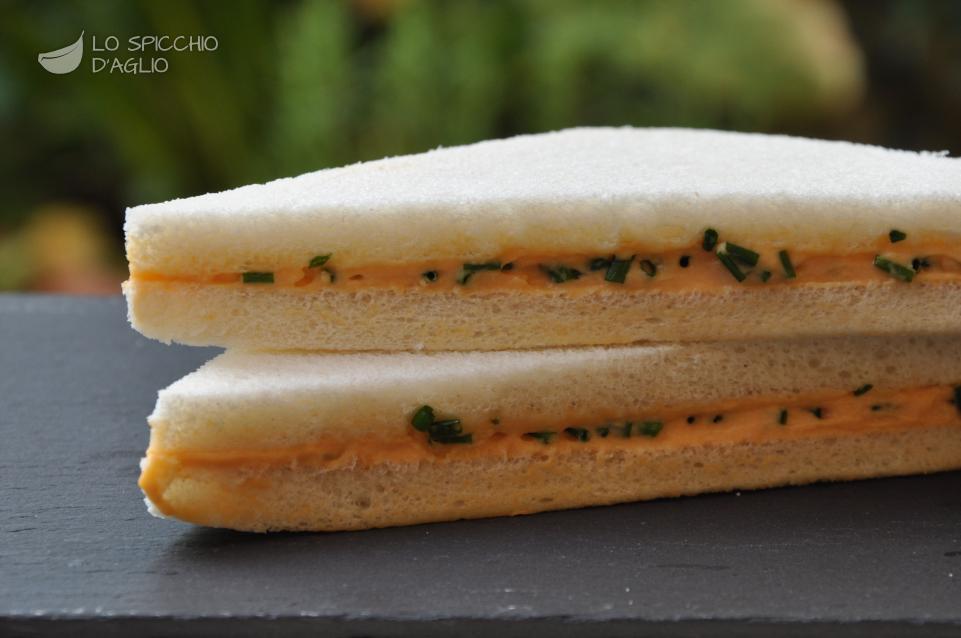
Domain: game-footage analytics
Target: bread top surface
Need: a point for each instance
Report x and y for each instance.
(577, 190)
(253, 401)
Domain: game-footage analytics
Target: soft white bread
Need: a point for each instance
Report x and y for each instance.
(581, 190)
(328, 319)
(231, 443)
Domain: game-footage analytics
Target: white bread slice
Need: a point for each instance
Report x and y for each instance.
(583, 190)
(263, 411)
(288, 319)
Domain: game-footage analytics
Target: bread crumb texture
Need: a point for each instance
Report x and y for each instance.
(252, 317)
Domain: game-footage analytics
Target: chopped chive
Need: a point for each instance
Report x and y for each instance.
(731, 267)
(319, 260)
(468, 270)
(543, 437)
(600, 263)
(580, 434)
(818, 412)
(920, 263)
(786, 264)
(422, 418)
(507, 267)
(447, 426)
(560, 273)
(453, 438)
(744, 255)
(649, 267)
(684, 261)
(430, 276)
(894, 269)
(877, 407)
(258, 277)
(896, 235)
(617, 271)
(331, 274)
(957, 397)
(710, 239)
(864, 389)
(603, 431)
(765, 275)
(691, 419)
(782, 417)
(717, 418)
(626, 430)
(651, 428)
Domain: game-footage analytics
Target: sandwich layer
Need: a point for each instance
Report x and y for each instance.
(253, 441)
(428, 251)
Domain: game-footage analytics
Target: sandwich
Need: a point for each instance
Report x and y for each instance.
(330, 441)
(603, 236)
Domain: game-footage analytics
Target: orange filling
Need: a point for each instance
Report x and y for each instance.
(754, 421)
(690, 269)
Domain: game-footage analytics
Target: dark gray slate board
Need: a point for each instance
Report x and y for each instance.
(79, 553)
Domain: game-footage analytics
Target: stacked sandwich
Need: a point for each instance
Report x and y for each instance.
(550, 321)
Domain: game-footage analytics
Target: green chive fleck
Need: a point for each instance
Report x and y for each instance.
(691, 419)
(258, 277)
(600, 263)
(864, 389)
(894, 269)
(744, 255)
(626, 429)
(957, 398)
(896, 235)
(765, 275)
(468, 270)
(710, 239)
(782, 417)
(818, 412)
(422, 418)
(543, 437)
(617, 271)
(319, 260)
(786, 264)
(331, 274)
(649, 267)
(684, 261)
(560, 273)
(651, 428)
(717, 418)
(920, 263)
(731, 267)
(603, 431)
(581, 434)
(430, 276)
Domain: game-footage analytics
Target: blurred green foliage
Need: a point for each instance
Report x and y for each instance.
(306, 84)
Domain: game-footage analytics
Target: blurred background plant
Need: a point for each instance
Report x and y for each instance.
(306, 84)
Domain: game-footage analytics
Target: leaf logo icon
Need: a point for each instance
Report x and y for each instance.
(63, 60)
